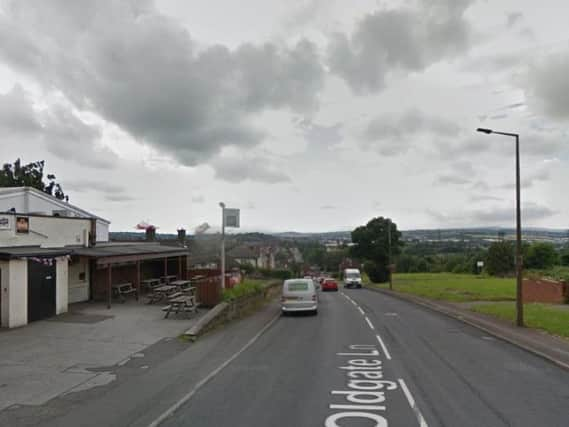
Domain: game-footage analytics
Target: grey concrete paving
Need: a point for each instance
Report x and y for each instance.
(65, 354)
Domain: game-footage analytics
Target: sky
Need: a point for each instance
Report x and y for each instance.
(308, 115)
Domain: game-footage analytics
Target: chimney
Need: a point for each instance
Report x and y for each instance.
(181, 235)
(150, 233)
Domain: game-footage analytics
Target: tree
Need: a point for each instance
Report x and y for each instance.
(500, 258)
(371, 244)
(30, 175)
(541, 256)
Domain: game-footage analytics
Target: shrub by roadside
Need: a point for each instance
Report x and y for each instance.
(248, 287)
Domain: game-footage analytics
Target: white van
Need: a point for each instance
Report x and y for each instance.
(352, 278)
(299, 295)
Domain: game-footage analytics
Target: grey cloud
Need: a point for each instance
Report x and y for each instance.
(485, 198)
(513, 18)
(253, 169)
(496, 215)
(327, 207)
(198, 199)
(493, 63)
(320, 136)
(392, 134)
(406, 39)
(141, 70)
(62, 132)
(119, 198)
(452, 179)
(90, 185)
(530, 180)
(548, 86)
(17, 116)
(305, 13)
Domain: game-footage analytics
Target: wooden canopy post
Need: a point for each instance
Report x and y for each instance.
(165, 266)
(137, 279)
(180, 267)
(109, 285)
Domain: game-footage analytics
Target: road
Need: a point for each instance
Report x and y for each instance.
(430, 370)
(366, 359)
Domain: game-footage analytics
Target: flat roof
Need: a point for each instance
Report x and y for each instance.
(14, 252)
(112, 250)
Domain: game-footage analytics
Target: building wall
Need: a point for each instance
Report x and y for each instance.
(14, 283)
(61, 290)
(46, 232)
(33, 202)
(78, 288)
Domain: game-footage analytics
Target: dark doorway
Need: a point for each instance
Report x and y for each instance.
(41, 290)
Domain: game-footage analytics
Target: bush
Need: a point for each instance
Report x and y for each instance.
(275, 274)
(500, 259)
(541, 256)
(245, 288)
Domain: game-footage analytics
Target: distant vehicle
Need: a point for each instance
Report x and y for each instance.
(299, 295)
(329, 285)
(352, 278)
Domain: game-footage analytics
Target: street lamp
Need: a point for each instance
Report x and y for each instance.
(222, 206)
(519, 302)
(389, 253)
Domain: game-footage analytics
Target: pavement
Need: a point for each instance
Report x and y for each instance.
(77, 350)
(366, 359)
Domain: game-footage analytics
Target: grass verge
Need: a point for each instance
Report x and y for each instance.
(550, 318)
(454, 287)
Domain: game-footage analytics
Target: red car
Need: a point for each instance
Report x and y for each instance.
(329, 285)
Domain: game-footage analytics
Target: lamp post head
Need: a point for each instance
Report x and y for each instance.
(222, 205)
(484, 130)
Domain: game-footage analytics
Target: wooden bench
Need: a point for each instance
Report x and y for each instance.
(121, 290)
(186, 304)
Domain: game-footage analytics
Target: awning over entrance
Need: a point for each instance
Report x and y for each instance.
(113, 253)
(15, 252)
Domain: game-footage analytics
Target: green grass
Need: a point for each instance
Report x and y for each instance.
(550, 318)
(454, 287)
(248, 287)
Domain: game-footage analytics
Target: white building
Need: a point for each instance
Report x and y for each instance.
(28, 200)
(53, 254)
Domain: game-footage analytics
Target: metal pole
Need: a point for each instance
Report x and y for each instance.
(519, 300)
(389, 253)
(222, 246)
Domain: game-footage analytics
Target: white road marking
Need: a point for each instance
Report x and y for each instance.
(369, 323)
(383, 347)
(170, 411)
(361, 311)
(390, 314)
(414, 407)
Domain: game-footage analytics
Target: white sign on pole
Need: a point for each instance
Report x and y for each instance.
(231, 217)
(480, 264)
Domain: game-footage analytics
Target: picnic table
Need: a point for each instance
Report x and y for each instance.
(167, 279)
(121, 290)
(184, 303)
(150, 283)
(160, 292)
(181, 284)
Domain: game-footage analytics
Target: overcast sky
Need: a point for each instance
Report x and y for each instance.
(308, 115)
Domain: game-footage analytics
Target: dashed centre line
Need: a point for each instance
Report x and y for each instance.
(383, 347)
(369, 323)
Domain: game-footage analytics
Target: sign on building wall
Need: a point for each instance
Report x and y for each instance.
(231, 217)
(22, 224)
(5, 223)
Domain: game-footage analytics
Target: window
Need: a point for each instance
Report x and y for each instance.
(82, 276)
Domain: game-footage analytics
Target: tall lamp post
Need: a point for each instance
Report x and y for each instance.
(519, 302)
(389, 253)
(222, 206)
